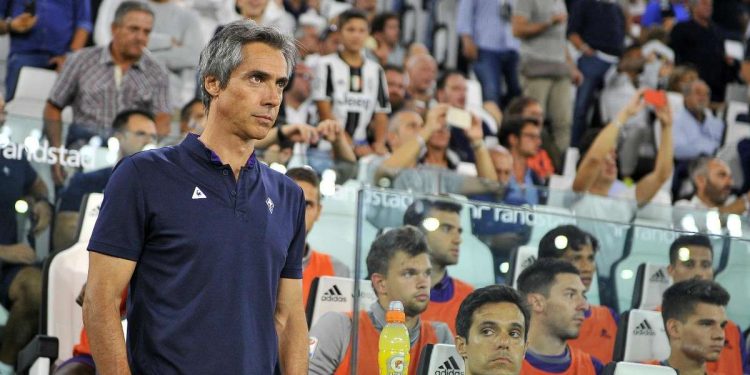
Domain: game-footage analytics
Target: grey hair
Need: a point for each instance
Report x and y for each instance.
(687, 88)
(223, 54)
(130, 6)
(395, 121)
(699, 167)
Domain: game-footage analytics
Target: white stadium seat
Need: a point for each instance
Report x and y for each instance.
(336, 294)
(641, 337)
(440, 359)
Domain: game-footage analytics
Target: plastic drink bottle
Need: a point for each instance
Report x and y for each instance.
(394, 345)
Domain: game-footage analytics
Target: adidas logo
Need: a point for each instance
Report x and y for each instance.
(449, 367)
(659, 276)
(644, 329)
(198, 194)
(529, 261)
(333, 295)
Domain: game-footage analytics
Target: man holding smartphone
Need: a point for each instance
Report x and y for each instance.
(42, 33)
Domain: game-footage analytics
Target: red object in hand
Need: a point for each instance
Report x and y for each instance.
(657, 98)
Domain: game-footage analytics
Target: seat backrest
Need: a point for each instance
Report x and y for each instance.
(336, 294)
(442, 359)
(630, 368)
(87, 219)
(735, 279)
(651, 280)
(572, 155)
(475, 264)
(523, 257)
(641, 337)
(35, 83)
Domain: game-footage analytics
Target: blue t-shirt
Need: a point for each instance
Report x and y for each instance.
(16, 179)
(82, 184)
(210, 252)
(653, 13)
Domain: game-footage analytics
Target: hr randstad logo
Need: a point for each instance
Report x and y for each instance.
(333, 295)
(43, 153)
(449, 367)
(644, 329)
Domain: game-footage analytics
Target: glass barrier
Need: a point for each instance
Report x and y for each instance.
(484, 243)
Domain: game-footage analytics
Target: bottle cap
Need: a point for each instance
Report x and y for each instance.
(395, 313)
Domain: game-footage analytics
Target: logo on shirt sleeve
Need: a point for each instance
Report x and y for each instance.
(270, 205)
(198, 194)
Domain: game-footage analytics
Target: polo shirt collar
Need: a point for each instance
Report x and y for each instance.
(106, 57)
(443, 290)
(194, 145)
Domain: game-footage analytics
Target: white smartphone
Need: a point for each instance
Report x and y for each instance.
(458, 118)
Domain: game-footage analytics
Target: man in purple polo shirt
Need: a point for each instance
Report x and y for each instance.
(209, 239)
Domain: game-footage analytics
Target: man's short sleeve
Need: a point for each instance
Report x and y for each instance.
(66, 86)
(83, 15)
(161, 94)
(524, 9)
(293, 267)
(383, 104)
(323, 84)
(120, 229)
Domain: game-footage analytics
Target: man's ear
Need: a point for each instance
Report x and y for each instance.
(212, 85)
(536, 301)
(378, 283)
(461, 347)
(674, 329)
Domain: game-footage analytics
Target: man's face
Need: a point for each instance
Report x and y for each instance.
(410, 123)
(530, 140)
(301, 84)
(444, 242)
(250, 102)
(503, 163)
(609, 170)
(197, 119)
(564, 309)
(130, 37)
(252, 8)
(582, 259)
(440, 138)
(422, 75)
(701, 336)
(331, 43)
(396, 87)
(308, 41)
(703, 10)
(312, 204)
(392, 30)
(354, 33)
(699, 98)
(496, 343)
(408, 281)
(138, 132)
(454, 92)
(693, 262)
(717, 185)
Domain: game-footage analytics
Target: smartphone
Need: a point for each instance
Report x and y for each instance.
(458, 118)
(30, 7)
(656, 98)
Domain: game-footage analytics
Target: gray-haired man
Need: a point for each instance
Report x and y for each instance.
(210, 239)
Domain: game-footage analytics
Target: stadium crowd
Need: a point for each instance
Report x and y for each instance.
(616, 111)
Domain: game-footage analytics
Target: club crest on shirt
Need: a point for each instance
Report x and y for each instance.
(270, 205)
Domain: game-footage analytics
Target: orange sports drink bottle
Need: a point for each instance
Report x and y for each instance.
(394, 346)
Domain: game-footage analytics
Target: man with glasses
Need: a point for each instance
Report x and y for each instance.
(522, 136)
(133, 130)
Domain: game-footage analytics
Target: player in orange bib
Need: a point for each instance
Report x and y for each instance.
(399, 267)
(440, 221)
(694, 313)
(555, 295)
(314, 263)
(599, 329)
